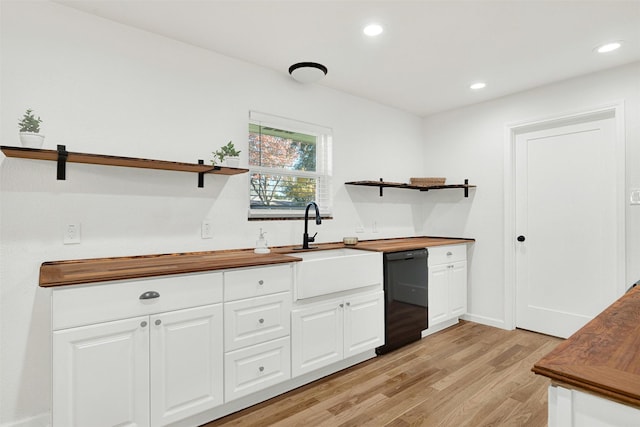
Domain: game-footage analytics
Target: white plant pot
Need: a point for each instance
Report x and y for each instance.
(31, 140)
(232, 162)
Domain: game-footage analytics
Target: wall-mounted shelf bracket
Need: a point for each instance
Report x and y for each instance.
(63, 154)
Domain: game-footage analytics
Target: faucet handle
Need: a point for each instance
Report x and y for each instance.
(313, 238)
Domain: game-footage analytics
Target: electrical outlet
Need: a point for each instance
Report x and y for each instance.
(207, 232)
(71, 234)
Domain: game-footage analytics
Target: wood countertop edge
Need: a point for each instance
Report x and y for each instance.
(603, 357)
(572, 382)
(94, 270)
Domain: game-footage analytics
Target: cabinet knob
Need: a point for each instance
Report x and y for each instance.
(261, 282)
(143, 324)
(521, 238)
(348, 304)
(158, 322)
(261, 368)
(150, 295)
(261, 321)
(449, 253)
(341, 305)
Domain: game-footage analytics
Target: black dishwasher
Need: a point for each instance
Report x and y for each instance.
(406, 298)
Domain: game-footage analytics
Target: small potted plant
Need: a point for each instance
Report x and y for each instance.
(229, 154)
(30, 130)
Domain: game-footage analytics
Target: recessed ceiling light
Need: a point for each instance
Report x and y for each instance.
(478, 85)
(373, 30)
(608, 47)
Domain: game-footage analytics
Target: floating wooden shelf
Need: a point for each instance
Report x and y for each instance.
(62, 156)
(384, 184)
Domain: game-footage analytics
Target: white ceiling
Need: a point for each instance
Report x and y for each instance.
(430, 51)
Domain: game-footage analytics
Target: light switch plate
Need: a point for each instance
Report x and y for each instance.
(634, 198)
(71, 234)
(207, 232)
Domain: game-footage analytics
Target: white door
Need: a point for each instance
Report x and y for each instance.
(566, 213)
(101, 375)
(186, 363)
(363, 323)
(317, 335)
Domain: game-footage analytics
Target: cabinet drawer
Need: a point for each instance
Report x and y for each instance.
(257, 367)
(253, 282)
(256, 320)
(447, 254)
(86, 304)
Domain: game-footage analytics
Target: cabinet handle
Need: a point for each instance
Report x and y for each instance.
(261, 282)
(158, 322)
(341, 305)
(348, 304)
(261, 321)
(143, 324)
(449, 253)
(150, 295)
(261, 368)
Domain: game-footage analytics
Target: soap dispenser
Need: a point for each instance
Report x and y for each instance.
(261, 244)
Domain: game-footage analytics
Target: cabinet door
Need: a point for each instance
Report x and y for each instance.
(186, 363)
(438, 293)
(101, 374)
(363, 323)
(316, 336)
(458, 288)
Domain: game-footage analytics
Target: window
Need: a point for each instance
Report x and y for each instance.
(289, 164)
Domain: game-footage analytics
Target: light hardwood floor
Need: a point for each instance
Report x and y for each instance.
(468, 375)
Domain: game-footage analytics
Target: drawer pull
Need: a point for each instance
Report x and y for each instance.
(449, 253)
(341, 305)
(261, 320)
(143, 324)
(150, 295)
(158, 322)
(261, 368)
(261, 282)
(348, 304)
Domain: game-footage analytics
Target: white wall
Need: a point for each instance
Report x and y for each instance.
(470, 142)
(104, 88)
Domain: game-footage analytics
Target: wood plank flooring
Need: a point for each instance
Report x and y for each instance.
(468, 375)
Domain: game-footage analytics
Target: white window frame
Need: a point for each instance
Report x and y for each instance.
(323, 172)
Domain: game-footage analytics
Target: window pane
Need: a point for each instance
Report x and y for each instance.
(281, 192)
(278, 148)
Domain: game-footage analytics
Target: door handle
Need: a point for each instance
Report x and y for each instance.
(521, 238)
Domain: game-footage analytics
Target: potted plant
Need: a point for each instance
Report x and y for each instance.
(229, 154)
(29, 130)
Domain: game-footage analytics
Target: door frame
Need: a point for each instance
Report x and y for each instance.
(613, 109)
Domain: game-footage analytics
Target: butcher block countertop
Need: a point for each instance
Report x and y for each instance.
(604, 356)
(72, 272)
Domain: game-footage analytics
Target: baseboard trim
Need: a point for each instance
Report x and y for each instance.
(489, 321)
(42, 420)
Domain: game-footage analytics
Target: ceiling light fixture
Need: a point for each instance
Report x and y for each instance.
(307, 72)
(608, 47)
(478, 85)
(373, 30)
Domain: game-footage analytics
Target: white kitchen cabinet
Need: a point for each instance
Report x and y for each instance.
(447, 283)
(257, 329)
(149, 369)
(186, 363)
(101, 374)
(328, 331)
